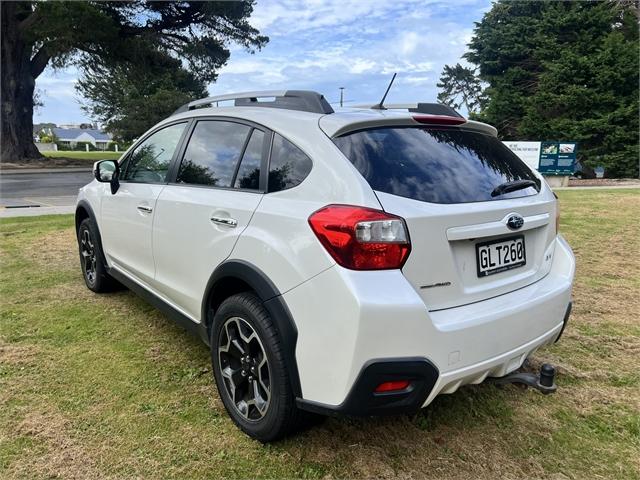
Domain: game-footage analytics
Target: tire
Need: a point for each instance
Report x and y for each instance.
(243, 319)
(92, 261)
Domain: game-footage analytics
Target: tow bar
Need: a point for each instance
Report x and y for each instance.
(544, 382)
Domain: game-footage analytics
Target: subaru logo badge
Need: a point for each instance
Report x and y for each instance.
(515, 222)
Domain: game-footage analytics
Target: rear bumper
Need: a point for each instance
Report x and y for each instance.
(362, 400)
(363, 316)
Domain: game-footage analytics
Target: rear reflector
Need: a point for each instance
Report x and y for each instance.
(392, 386)
(362, 238)
(439, 120)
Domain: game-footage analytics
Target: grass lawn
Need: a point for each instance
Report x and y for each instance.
(89, 156)
(95, 386)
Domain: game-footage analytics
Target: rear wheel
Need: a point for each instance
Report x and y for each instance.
(250, 371)
(92, 260)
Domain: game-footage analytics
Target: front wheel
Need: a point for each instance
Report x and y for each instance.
(250, 371)
(92, 260)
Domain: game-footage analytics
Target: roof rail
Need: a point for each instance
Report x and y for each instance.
(428, 108)
(302, 100)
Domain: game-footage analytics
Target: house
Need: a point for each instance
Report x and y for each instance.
(70, 137)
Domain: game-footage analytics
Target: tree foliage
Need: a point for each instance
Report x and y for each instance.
(460, 87)
(128, 98)
(112, 38)
(563, 71)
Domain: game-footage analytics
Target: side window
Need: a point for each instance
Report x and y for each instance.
(212, 154)
(289, 165)
(249, 171)
(149, 161)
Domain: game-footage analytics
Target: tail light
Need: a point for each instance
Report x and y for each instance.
(362, 238)
(439, 120)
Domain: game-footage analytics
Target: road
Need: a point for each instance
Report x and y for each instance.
(40, 193)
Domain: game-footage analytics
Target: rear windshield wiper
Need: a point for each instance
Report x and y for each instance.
(512, 186)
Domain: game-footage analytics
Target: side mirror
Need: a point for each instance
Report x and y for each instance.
(107, 171)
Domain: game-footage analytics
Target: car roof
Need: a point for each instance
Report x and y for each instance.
(286, 110)
(343, 121)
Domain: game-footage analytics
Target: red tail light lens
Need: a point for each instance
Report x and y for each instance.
(362, 238)
(392, 386)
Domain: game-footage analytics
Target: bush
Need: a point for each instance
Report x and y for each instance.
(81, 147)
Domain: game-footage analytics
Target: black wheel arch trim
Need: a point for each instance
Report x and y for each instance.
(83, 204)
(272, 300)
(361, 399)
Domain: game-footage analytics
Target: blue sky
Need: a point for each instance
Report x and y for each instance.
(322, 45)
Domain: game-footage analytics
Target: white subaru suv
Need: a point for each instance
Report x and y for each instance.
(358, 262)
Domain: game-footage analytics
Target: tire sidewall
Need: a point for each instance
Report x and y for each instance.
(261, 323)
(97, 285)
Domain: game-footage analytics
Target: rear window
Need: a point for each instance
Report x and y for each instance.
(435, 165)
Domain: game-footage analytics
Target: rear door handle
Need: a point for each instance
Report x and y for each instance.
(229, 222)
(145, 208)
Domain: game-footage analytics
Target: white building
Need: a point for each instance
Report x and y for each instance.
(70, 137)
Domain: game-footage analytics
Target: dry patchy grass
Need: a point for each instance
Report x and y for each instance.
(104, 386)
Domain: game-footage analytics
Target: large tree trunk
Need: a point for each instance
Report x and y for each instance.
(18, 84)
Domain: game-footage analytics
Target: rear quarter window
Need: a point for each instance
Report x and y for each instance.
(289, 165)
(447, 165)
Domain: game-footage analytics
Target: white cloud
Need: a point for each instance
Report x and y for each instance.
(362, 65)
(416, 80)
(325, 44)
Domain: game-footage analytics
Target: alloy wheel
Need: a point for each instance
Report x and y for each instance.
(89, 260)
(244, 368)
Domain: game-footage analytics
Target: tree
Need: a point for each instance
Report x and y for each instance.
(563, 71)
(460, 86)
(129, 97)
(37, 34)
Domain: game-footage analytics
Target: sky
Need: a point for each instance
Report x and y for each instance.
(322, 45)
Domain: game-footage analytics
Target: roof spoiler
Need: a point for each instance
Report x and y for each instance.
(301, 100)
(427, 108)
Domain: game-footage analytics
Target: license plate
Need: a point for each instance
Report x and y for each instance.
(501, 255)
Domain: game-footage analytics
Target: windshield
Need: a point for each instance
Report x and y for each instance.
(437, 165)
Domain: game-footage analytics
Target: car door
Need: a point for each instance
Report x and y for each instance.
(200, 215)
(127, 216)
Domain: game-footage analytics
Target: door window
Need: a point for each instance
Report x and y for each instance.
(149, 162)
(248, 176)
(212, 154)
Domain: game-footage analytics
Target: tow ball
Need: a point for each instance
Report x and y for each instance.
(544, 382)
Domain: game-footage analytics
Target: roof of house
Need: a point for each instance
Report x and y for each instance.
(73, 133)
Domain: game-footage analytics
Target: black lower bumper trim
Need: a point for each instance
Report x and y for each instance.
(565, 321)
(363, 401)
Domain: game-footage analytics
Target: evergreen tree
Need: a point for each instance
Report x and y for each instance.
(99, 35)
(460, 87)
(130, 97)
(563, 71)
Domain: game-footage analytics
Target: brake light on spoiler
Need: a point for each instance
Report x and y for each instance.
(439, 120)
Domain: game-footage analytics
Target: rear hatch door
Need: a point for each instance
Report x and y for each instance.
(472, 238)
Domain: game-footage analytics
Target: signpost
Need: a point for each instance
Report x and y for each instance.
(529, 152)
(549, 158)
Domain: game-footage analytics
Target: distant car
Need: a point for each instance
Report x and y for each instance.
(360, 262)
(582, 171)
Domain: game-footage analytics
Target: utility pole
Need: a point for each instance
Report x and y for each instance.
(341, 95)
